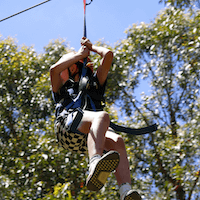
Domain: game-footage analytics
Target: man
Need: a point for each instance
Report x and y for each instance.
(92, 130)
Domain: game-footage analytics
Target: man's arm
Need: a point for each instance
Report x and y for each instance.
(106, 61)
(64, 63)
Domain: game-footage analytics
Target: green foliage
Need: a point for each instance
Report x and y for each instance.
(181, 3)
(165, 54)
(31, 162)
(32, 165)
(164, 165)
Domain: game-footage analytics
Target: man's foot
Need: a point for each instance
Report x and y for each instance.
(100, 169)
(132, 195)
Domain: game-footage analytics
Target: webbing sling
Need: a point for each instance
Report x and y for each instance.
(140, 131)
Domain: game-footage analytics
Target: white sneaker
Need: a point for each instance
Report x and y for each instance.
(100, 169)
(132, 195)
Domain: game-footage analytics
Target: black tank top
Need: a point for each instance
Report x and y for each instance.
(69, 91)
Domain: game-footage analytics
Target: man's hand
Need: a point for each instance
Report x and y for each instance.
(84, 51)
(86, 42)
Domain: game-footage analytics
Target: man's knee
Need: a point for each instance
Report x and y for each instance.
(114, 142)
(103, 116)
(120, 142)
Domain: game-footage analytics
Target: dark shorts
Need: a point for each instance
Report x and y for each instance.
(71, 141)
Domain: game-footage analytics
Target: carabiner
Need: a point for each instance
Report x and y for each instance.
(89, 3)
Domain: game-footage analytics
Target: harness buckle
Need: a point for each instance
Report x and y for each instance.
(84, 83)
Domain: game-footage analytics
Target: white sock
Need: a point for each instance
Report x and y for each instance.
(123, 189)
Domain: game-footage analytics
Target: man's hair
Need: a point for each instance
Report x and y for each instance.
(79, 64)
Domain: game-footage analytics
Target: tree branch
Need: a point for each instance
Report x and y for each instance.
(194, 185)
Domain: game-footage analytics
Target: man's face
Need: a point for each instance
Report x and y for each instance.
(73, 69)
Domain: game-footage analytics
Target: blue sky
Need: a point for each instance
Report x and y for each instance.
(106, 19)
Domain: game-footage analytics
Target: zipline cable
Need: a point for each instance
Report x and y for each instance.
(24, 10)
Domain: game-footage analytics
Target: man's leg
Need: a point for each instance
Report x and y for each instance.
(115, 142)
(96, 125)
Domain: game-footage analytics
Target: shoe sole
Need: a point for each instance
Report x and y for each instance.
(107, 164)
(133, 196)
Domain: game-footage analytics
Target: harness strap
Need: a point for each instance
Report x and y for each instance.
(72, 120)
(140, 131)
(91, 103)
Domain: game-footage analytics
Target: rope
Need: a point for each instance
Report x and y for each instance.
(24, 10)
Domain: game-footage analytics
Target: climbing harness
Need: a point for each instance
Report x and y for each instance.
(76, 104)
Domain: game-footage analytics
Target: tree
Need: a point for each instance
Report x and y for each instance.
(165, 54)
(32, 165)
(31, 162)
(164, 165)
(181, 3)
